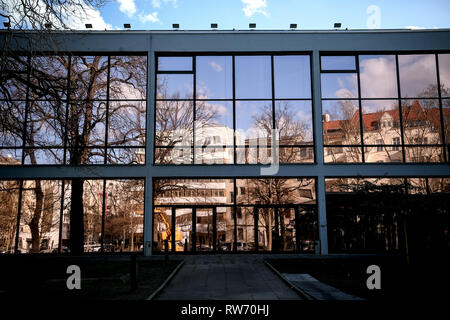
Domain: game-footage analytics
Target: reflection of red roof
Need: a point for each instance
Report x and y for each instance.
(414, 112)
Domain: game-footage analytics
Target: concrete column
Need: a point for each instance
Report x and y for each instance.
(319, 151)
(148, 208)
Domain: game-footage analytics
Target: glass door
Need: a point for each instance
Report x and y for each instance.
(184, 239)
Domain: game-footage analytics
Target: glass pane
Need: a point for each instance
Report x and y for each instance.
(418, 76)
(92, 214)
(296, 155)
(128, 77)
(174, 63)
(49, 77)
(88, 77)
(253, 121)
(126, 123)
(444, 74)
(204, 229)
(85, 156)
(126, 156)
(162, 228)
(10, 156)
(214, 77)
(343, 154)
(378, 76)
(175, 86)
(353, 225)
(225, 229)
(174, 123)
(292, 77)
(9, 200)
(12, 123)
(381, 122)
(294, 122)
(65, 225)
(424, 154)
(286, 238)
(275, 191)
(338, 62)
(46, 123)
(86, 124)
(193, 191)
(124, 216)
(184, 236)
(214, 123)
(14, 78)
(307, 227)
(267, 237)
(245, 229)
(339, 85)
(39, 219)
(340, 121)
(253, 77)
(214, 155)
(421, 121)
(44, 156)
(174, 155)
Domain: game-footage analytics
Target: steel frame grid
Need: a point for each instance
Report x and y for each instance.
(317, 42)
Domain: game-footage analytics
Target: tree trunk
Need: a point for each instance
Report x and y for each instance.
(34, 223)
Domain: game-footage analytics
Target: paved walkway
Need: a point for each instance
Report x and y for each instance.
(226, 277)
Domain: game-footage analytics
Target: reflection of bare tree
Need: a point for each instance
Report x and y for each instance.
(291, 130)
(175, 122)
(9, 195)
(79, 124)
(274, 192)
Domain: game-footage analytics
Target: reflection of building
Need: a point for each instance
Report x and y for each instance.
(382, 135)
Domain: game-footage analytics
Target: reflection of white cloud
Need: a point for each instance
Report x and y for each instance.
(344, 93)
(378, 77)
(417, 72)
(217, 108)
(372, 106)
(216, 66)
(254, 6)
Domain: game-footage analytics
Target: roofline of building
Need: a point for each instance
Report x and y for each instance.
(234, 31)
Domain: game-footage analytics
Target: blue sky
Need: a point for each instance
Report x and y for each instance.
(272, 14)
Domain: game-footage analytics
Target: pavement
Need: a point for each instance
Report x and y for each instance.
(226, 277)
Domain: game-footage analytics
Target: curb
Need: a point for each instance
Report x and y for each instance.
(166, 282)
(299, 291)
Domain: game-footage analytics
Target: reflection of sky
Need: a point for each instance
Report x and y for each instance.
(338, 62)
(176, 84)
(335, 110)
(223, 111)
(245, 113)
(292, 77)
(371, 106)
(339, 85)
(417, 72)
(302, 112)
(444, 71)
(175, 64)
(253, 77)
(378, 76)
(214, 77)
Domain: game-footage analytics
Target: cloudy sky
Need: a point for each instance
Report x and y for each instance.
(271, 14)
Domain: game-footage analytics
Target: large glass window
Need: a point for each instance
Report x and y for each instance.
(73, 110)
(38, 216)
(384, 108)
(235, 215)
(376, 215)
(239, 103)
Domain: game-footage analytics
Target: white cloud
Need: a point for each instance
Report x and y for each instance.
(157, 3)
(152, 17)
(254, 6)
(216, 66)
(128, 7)
(91, 16)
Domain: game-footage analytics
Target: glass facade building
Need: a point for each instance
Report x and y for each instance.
(226, 141)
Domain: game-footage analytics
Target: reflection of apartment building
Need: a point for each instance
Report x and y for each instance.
(382, 135)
